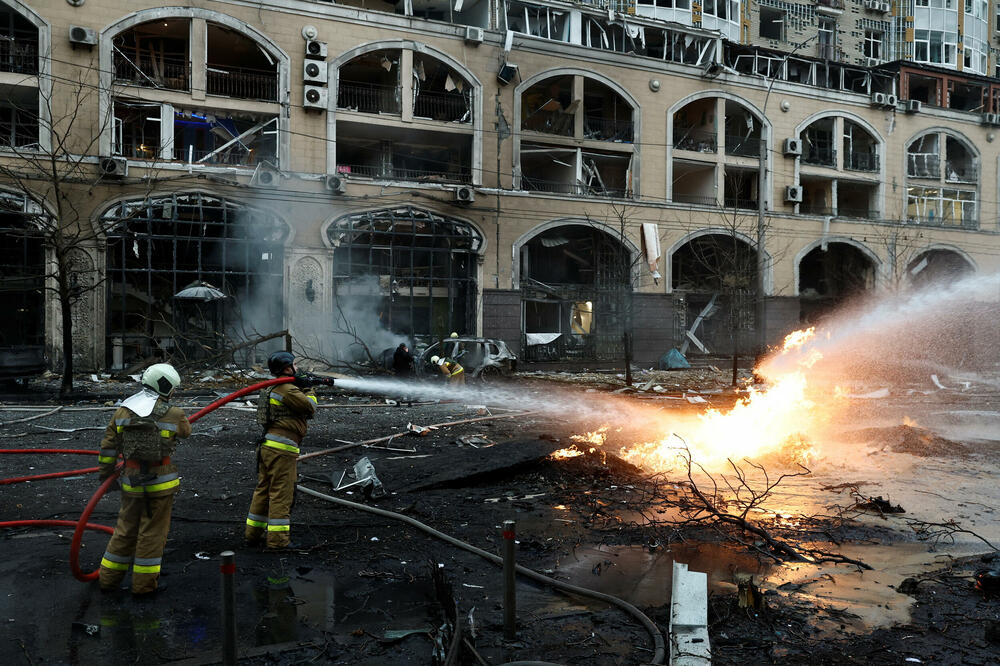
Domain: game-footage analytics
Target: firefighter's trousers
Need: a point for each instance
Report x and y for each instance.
(138, 541)
(271, 506)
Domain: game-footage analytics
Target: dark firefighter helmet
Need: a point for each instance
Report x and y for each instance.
(278, 361)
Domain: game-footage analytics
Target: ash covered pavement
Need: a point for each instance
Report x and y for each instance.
(360, 588)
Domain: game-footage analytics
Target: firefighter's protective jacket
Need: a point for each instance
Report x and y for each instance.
(146, 443)
(283, 410)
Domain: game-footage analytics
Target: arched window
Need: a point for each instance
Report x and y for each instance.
(576, 136)
(24, 45)
(839, 169)
(831, 274)
(221, 86)
(404, 113)
(942, 178)
(22, 274)
(716, 148)
(190, 275)
(938, 267)
(406, 270)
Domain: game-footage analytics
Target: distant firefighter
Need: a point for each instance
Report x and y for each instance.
(451, 369)
(402, 361)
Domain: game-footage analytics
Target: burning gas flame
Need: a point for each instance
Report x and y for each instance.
(766, 422)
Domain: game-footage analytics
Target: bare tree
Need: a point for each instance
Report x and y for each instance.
(54, 173)
(900, 245)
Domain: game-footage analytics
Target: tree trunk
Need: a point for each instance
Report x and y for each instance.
(66, 308)
(627, 343)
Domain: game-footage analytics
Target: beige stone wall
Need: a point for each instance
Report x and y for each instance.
(306, 206)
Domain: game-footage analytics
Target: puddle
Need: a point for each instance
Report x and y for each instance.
(291, 606)
(640, 576)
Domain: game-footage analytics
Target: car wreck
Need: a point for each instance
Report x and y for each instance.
(483, 358)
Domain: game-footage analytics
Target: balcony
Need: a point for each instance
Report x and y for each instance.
(743, 146)
(555, 122)
(820, 155)
(368, 98)
(242, 83)
(454, 107)
(696, 140)
(457, 174)
(740, 203)
(153, 73)
(861, 162)
(17, 57)
(234, 156)
(694, 199)
(923, 165)
(599, 128)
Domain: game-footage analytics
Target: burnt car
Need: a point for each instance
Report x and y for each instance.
(22, 361)
(485, 359)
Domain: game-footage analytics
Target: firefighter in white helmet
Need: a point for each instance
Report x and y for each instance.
(451, 369)
(144, 430)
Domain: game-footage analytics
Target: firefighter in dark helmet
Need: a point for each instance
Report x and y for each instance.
(144, 430)
(282, 411)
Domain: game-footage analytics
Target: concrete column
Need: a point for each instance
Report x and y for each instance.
(199, 58)
(577, 94)
(406, 83)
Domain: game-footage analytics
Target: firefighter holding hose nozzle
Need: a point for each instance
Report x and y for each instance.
(283, 411)
(144, 429)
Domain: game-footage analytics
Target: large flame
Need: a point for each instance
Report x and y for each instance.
(771, 422)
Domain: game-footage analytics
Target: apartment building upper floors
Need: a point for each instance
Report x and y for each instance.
(544, 99)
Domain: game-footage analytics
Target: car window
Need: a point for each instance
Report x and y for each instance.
(494, 350)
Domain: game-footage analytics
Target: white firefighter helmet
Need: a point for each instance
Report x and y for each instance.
(454, 335)
(161, 378)
(435, 359)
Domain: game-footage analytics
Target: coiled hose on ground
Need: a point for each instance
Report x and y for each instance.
(648, 624)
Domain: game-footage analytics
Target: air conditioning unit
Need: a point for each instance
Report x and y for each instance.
(465, 195)
(884, 7)
(793, 194)
(266, 175)
(793, 147)
(474, 35)
(891, 100)
(315, 97)
(911, 105)
(314, 72)
(874, 62)
(82, 36)
(507, 73)
(884, 99)
(114, 167)
(336, 184)
(315, 50)
(991, 119)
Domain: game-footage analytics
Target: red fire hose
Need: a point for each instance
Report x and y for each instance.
(82, 524)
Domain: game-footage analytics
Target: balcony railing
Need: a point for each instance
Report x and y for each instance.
(459, 174)
(958, 172)
(699, 141)
(172, 75)
(743, 146)
(923, 165)
(806, 208)
(820, 155)
(861, 161)
(861, 212)
(242, 83)
(550, 122)
(233, 156)
(368, 98)
(452, 107)
(740, 203)
(577, 189)
(17, 57)
(695, 199)
(599, 128)
(951, 222)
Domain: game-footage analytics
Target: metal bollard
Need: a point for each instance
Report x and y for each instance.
(509, 574)
(228, 570)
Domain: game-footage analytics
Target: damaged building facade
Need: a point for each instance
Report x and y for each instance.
(567, 177)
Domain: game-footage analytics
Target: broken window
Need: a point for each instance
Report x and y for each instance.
(740, 188)
(960, 163)
(947, 207)
(830, 275)
(742, 131)
(18, 116)
(136, 129)
(538, 21)
(231, 254)
(938, 267)
(548, 106)
(575, 289)
(695, 126)
(370, 83)
(922, 157)
(415, 267)
(924, 89)
(439, 93)
(239, 67)
(817, 196)
(966, 96)
(22, 274)
(154, 54)
(860, 148)
(606, 114)
(18, 43)
(818, 145)
(394, 153)
(240, 139)
(548, 168)
(872, 47)
(772, 23)
(694, 183)
(856, 199)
